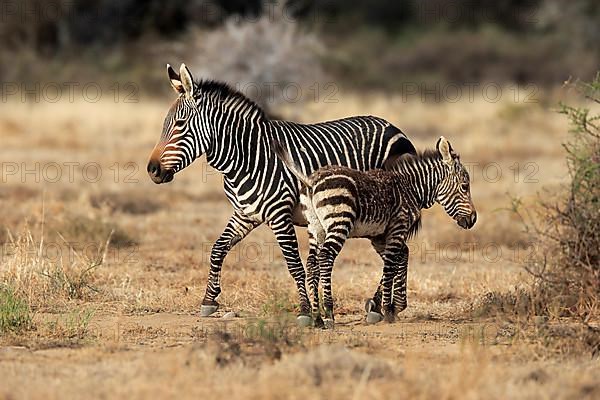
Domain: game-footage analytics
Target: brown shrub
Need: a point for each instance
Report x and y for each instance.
(128, 203)
(80, 230)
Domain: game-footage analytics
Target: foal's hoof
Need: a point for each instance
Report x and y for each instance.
(318, 322)
(390, 318)
(370, 305)
(304, 321)
(374, 317)
(328, 323)
(207, 310)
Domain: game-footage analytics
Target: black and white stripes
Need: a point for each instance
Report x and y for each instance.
(384, 206)
(236, 136)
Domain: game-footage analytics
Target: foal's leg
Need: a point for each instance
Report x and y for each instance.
(399, 296)
(312, 271)
(373, 305)
(334, 241)
(390, 270)
(395, 260)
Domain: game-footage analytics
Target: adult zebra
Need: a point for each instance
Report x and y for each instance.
(210, 118)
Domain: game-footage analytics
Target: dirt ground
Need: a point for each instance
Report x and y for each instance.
(174, 355)
(112, 269)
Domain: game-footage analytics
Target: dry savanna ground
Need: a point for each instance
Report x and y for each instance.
(106, 270)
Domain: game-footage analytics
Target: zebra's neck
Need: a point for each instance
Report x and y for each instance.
(234, 128)
(423, 176)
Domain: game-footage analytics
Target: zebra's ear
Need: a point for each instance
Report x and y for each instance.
(175, 80)
(443, 146)
(187, 80)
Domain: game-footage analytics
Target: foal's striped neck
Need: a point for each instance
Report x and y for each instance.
(423, 173)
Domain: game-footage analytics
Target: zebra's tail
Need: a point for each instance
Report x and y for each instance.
(287, 160)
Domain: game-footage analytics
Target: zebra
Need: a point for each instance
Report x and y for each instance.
(209, 117)
(383, 206)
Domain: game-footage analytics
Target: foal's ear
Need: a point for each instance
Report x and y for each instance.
(175, 80)
(186, 80)
(445, 150)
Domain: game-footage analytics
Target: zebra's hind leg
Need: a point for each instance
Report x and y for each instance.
(286, 238)
(237, 228)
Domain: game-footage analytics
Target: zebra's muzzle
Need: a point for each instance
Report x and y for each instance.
(159, 174)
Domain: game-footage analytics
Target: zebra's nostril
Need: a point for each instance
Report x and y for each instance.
(154, 168)
(473, 218)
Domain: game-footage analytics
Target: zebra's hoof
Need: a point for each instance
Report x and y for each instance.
(369, 305)
(304, 321)
(229, 315)
(328, 323)
(374, 317)
(207, 310)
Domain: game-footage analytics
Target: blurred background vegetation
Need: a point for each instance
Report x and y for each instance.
(373, 45)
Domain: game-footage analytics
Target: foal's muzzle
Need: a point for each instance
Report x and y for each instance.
(158, 174)
(467, 222)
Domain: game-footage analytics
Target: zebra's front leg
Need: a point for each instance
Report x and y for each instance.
(237, 228)
(288, 243)
(399, 296)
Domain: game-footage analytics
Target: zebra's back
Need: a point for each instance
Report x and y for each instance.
(359, 142)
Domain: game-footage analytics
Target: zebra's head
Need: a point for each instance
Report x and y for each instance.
(179, 145)
(454, 191)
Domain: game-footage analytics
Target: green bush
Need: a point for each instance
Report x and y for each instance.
(568, 268)
(14, 312)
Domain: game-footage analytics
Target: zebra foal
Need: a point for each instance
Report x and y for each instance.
(384, 206)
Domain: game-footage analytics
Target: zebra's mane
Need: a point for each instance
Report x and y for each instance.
(224, 91)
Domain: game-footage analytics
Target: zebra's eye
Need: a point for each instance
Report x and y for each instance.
(179, 123)
(465, 186)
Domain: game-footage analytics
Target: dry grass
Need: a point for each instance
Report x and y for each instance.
(119, 319)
